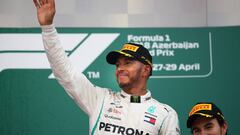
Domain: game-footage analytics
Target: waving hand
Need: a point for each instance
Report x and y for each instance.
(45, 11)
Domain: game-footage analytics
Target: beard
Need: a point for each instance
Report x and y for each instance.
(132, 81)
(124, 85)
(129, 80)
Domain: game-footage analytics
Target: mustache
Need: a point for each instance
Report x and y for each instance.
(122, 72)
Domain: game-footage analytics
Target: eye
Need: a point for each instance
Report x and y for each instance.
(208, 127)
(128, 62)
(195, 131)
(117, 65)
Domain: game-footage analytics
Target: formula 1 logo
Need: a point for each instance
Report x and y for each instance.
(25, 51)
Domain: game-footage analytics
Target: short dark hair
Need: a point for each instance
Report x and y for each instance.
(221, 122)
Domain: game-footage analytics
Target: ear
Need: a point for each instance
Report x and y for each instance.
(147, 70)
(224, 128)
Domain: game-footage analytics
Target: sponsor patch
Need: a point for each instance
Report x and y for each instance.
(112, 117)
(149, 116)
(120, 130)
(200, 107)
(150, 119)
(114, 111)
(151, 109)
(130, 47)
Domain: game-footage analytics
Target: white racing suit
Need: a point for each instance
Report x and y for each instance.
(110, 113)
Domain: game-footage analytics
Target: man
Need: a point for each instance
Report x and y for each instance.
(130, 112)
(207, 119)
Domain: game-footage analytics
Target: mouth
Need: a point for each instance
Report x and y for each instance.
(122, 75)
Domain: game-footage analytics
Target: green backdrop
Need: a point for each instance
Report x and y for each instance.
(190, 65)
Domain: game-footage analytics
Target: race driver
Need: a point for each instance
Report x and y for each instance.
(132, 111)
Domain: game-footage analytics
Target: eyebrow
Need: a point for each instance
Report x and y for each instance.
(208, 124)
(205, 125)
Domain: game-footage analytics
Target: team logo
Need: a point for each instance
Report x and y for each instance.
(22, 48)
(151, 109)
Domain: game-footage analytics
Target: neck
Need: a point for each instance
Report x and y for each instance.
(136, 91)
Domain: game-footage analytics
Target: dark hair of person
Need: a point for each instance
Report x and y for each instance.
(221, 122)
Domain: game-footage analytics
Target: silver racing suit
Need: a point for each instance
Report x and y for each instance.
(110, 113)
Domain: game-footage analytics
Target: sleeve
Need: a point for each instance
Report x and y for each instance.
(170, 124)
(77, 86)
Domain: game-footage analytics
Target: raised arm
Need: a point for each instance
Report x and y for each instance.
(85, 94)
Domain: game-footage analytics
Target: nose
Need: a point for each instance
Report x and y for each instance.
(202, 133)
(119, 68)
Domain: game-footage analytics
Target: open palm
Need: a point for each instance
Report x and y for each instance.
(45, 11)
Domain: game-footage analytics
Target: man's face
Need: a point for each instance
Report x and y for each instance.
(208, 126)
(129, 72)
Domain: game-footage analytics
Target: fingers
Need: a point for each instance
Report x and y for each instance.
(36, 3)
(52, 2)
(40, 3)
(43, 1)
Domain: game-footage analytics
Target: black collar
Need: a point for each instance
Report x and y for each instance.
(136, 99)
